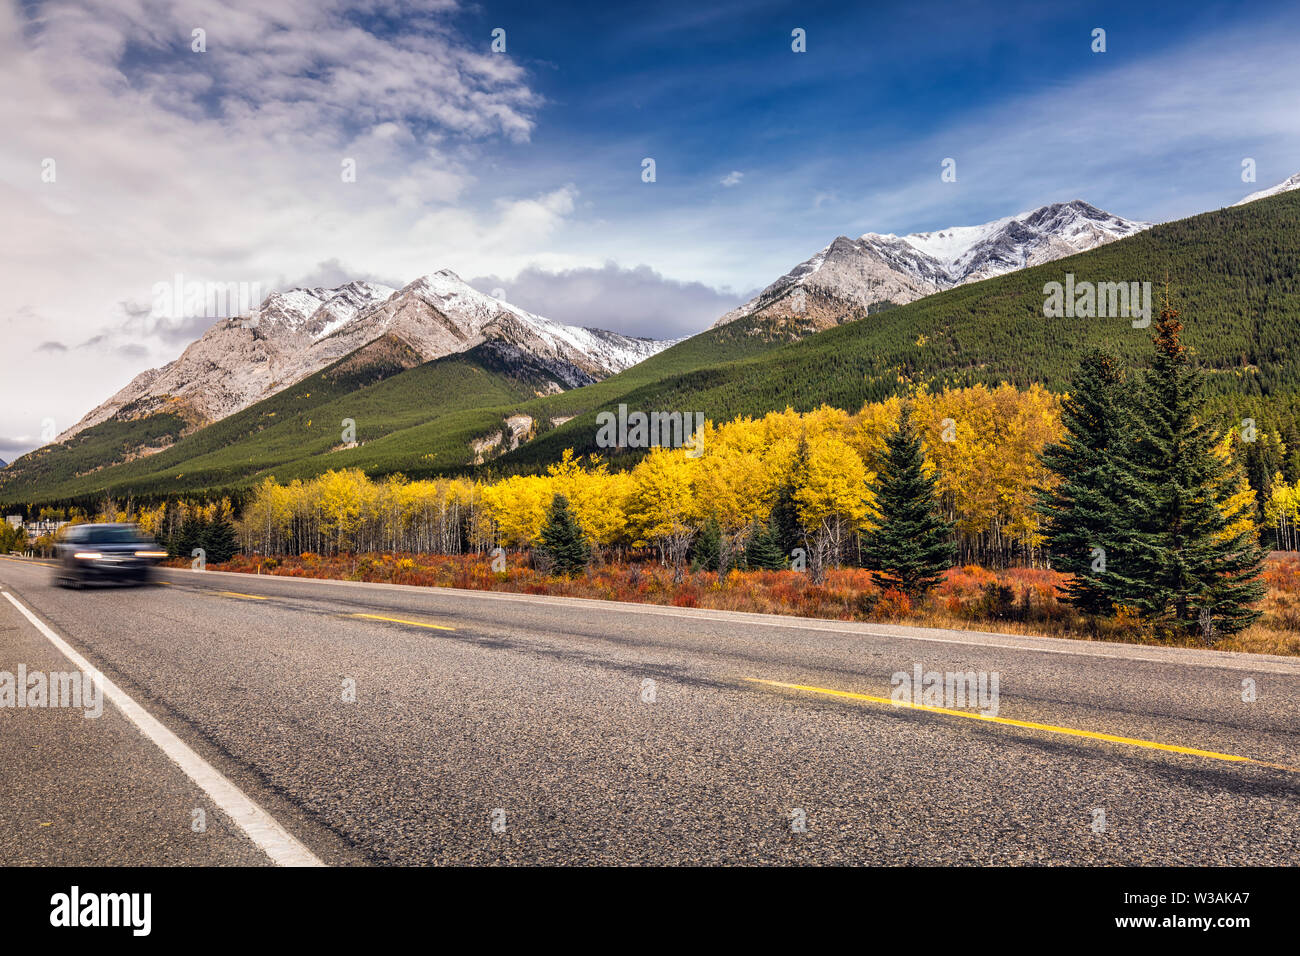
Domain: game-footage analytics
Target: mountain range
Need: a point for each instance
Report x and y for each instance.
(500, 386)
(854, 277)
(296, 333)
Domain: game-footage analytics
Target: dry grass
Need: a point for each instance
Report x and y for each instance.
(1015, 600)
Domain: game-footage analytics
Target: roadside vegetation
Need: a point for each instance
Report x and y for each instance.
(1013, 600)
(1117, 514)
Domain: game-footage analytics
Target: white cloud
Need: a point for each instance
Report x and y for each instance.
(732, 178)
(637, 301)
(226, 166)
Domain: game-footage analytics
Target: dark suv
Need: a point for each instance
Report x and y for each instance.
(105, 552)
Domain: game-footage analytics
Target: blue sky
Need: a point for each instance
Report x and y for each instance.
(521, 170)
(848, 137)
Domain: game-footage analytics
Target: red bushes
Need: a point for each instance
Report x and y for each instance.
(974, 593)
(1024, 599)
(893, 604)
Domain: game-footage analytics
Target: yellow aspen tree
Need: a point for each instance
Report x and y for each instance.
(663, 508)
(832, 496)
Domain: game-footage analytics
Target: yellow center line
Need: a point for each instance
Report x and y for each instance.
(1029, 725)
(233, 594)
(398, 620)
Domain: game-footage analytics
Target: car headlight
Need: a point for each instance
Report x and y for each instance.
(88, 555)
(151, 554)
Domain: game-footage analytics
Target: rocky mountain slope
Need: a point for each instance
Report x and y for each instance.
(294, 334)
(855, 276)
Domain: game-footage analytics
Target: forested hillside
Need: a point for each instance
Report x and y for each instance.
(1234, 274)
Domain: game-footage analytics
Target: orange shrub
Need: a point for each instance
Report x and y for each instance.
(893, 604)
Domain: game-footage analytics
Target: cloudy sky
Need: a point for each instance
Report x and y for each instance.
(129, 156)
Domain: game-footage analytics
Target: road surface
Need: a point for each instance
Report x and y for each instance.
(351, 724)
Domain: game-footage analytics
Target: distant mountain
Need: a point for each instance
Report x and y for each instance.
(438, 314)
(1231, 272)
(853, 277)
(1284, 186)
(294, 334)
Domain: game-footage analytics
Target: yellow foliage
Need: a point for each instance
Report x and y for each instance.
(982, 444)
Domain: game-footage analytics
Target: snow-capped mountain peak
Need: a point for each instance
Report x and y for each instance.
(297, 332)
(1284, 186)
(853, 275)
(1039, 235)
(440, 313)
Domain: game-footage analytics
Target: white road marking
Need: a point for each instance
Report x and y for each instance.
(260, 827)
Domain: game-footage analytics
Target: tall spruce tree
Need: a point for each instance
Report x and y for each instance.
(563, 540)
(220, 540)
(785, 513)
(914, 545)
(192, 534)
(1080, 517)
(1263, 461)
(763, 552)
(1185, 561)
(706, 550)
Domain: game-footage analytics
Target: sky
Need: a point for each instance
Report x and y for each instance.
(131, 156)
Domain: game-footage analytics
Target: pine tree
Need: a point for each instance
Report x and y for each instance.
(914, 545)
(220, 541)
(1291, 452)
(192, 534)
(1080, 516)
(764, 553)
(785, 514)
(706, 551)
(1262, 462)
(1180, 563)
(563, 540)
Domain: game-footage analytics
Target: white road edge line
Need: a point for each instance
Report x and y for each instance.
(260, 827)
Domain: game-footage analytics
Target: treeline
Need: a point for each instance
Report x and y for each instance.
(814, 476)
(178, 525)
(1125, 486)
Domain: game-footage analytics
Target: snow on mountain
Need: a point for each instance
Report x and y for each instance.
(1285, 186)
(438, 314)
(850, 275)
(298, 332)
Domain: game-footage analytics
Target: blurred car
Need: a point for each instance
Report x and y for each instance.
(105, 552)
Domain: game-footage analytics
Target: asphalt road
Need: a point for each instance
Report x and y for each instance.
(509, 729)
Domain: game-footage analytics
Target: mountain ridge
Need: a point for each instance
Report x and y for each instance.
(297, 332)
(851, 277)
(1286, 185)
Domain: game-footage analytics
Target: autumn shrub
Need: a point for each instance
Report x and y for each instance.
(686, 597)
(893, 604)
(1024, 600)
(1127, 624)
